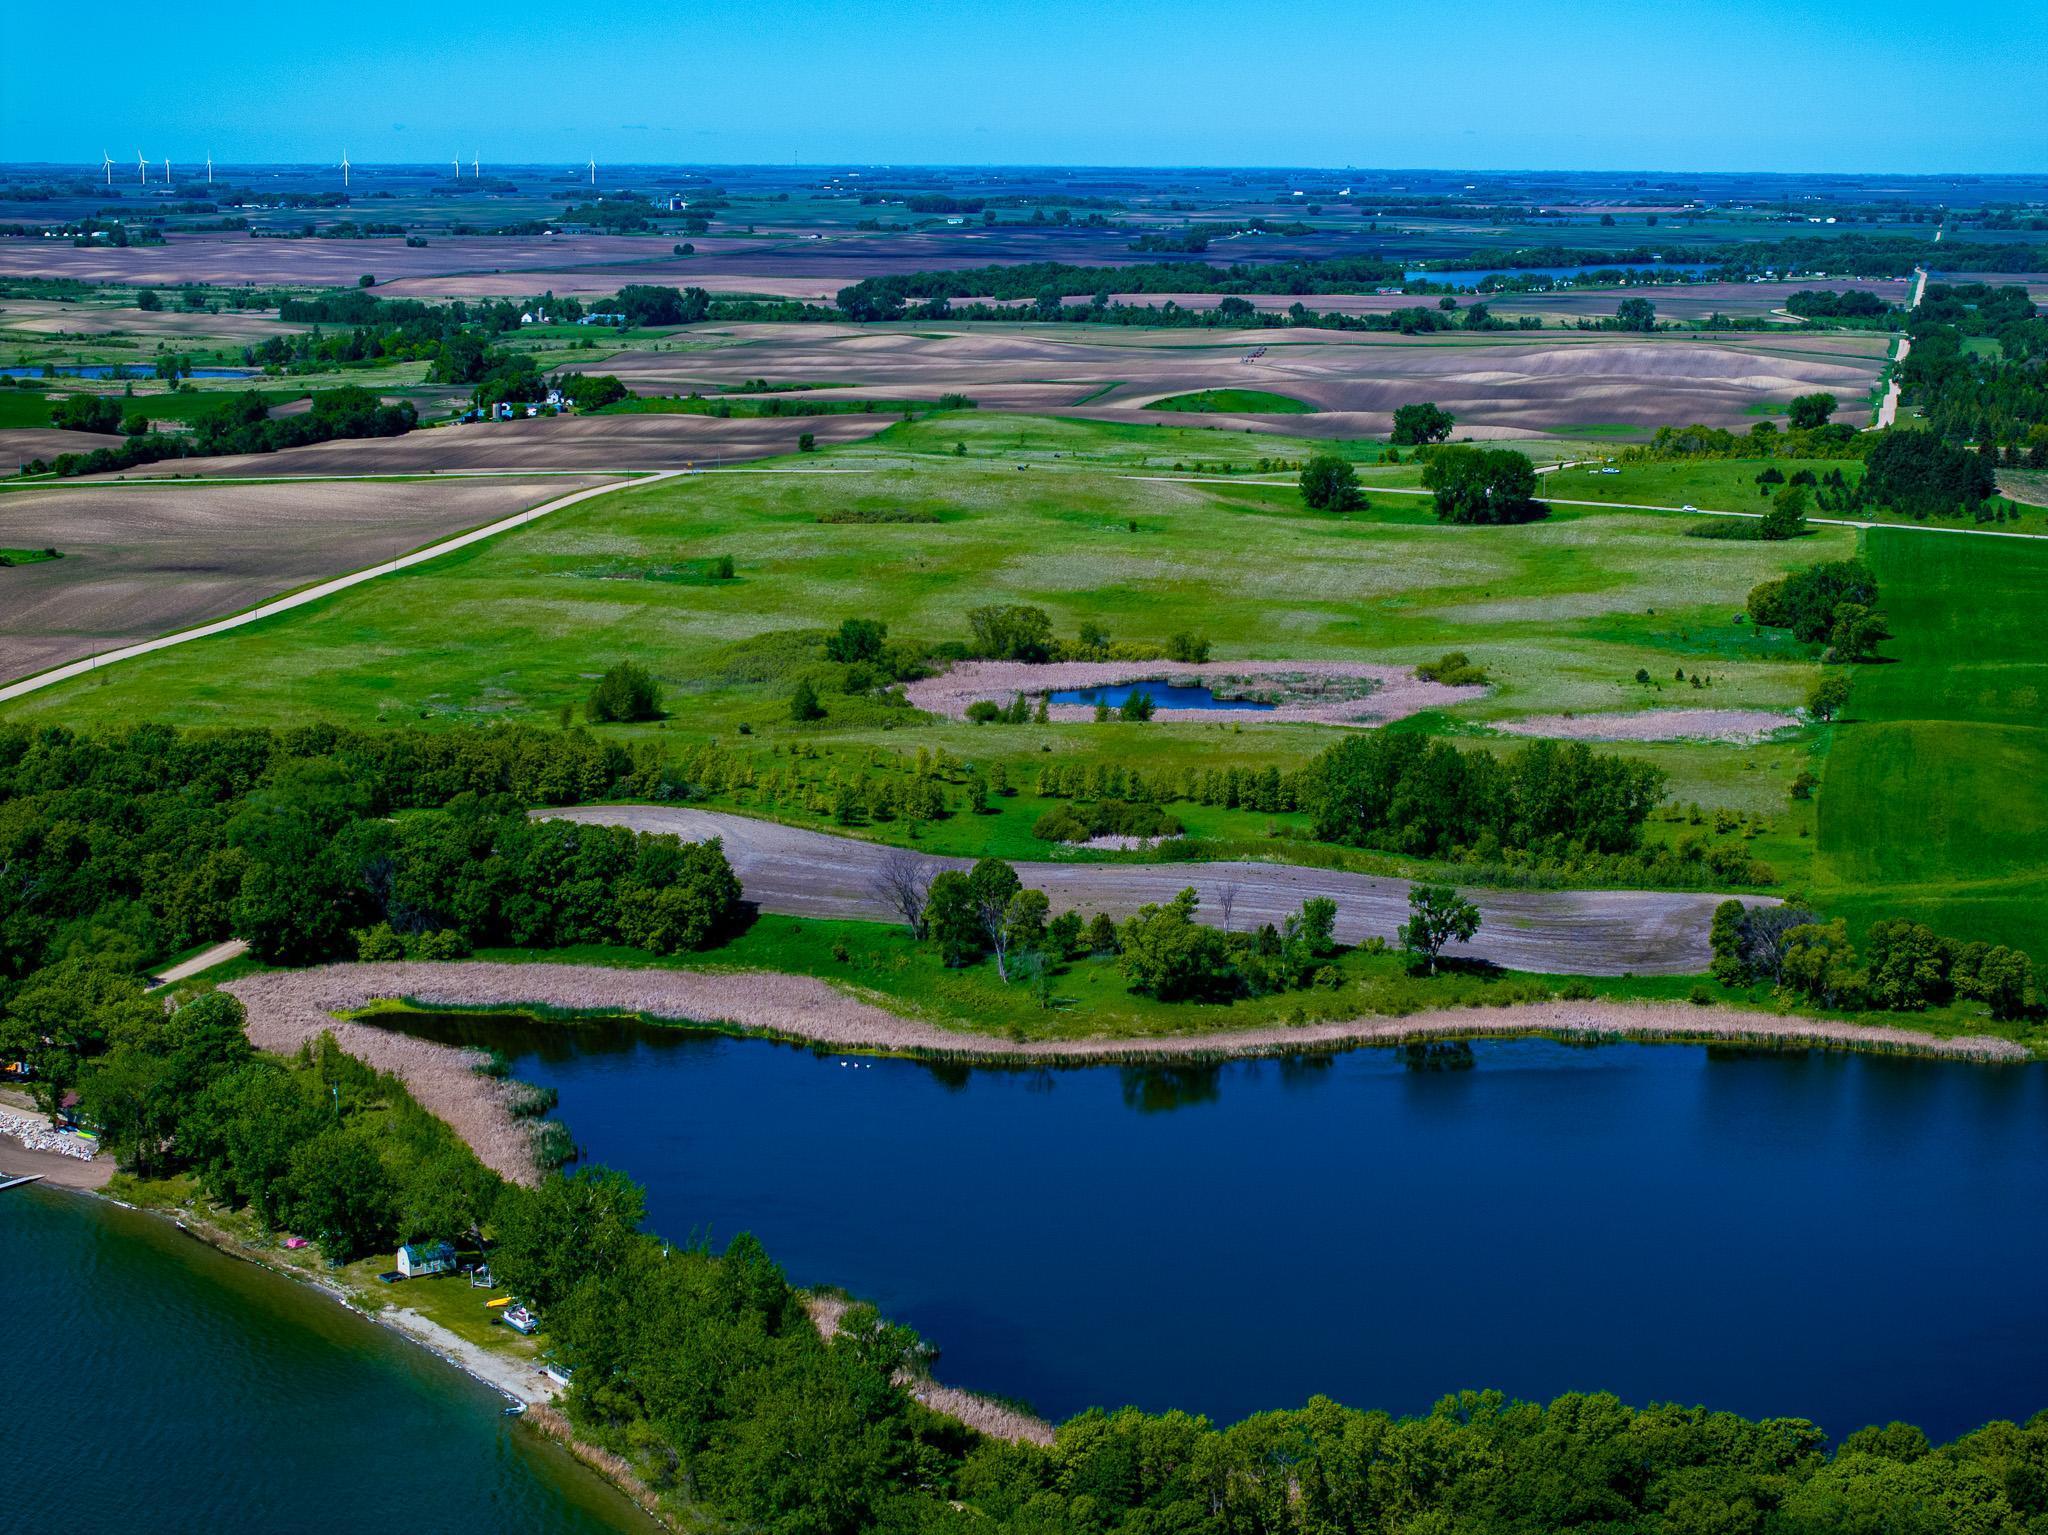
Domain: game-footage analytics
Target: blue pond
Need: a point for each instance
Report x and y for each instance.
(1477, 275)
(1843, 1238)
(122, 370)
(1164, 695)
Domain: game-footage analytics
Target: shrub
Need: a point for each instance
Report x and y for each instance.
(1137, 706)
(1805, 601)
(1011, 632)
(803, 702)
(1454, 669)
(1189, 649)
(626, 692)
(442, 943)
(858, 639)
(984, 711)
(379, 943)
(1330, 484)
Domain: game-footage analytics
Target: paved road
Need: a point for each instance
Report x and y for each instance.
(804, 873)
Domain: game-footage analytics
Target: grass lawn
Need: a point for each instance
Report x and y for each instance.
(23, 408)
(1934, 803)
(1240, 402)
(28, 556)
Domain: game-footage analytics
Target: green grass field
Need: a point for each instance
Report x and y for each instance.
(1235, 402)
(1562, 614)
(1121, 444)
(1935, 799)
(1730, 485)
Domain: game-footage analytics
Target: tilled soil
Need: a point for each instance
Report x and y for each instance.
(798, 872)
(140, 561)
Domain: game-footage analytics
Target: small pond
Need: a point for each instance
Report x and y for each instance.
(119, 370)
(1164, 695)
(1843, 1237)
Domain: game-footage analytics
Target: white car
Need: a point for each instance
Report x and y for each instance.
(1689, 507)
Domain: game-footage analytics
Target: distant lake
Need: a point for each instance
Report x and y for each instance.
(136, 371)
(1164, 695)
(1473, 277)
(1850, 1239)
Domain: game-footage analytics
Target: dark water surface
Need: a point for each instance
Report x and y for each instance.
(158, 1387)
(1164, 695)
(1846, 1238)
(1474, 276)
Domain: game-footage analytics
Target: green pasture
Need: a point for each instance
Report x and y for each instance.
(1562, 614)
(1121, 444)
(1729, 485)
(1934, 803)
(1239, 402)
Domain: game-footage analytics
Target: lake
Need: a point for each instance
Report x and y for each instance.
(158, 1385)
(1164, 695)
(1846, 1238)
(135, 371)
(1476, 275)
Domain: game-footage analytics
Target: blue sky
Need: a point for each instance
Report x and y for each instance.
(1850, 85)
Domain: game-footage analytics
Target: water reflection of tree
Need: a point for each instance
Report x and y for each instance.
(1440, 1055)
(1157, 1089)
(1306, 1070)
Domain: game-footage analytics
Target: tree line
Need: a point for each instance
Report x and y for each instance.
(122, 847)
(239, 422)
(1903, 966)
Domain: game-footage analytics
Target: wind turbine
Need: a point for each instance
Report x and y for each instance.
(476, 167)
(593, 170)
(209, 167)
(107, 163)
(344, 170)
(457, 163)
(167, 171)
(141, 168)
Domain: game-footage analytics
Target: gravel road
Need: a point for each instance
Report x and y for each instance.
(789, 870)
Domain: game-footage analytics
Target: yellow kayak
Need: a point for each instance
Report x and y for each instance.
(503, 1301)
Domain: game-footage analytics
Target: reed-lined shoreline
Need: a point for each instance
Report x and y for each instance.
(290, 1008)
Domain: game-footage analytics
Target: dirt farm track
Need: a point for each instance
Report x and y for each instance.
(144, 560)
(789, 870)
